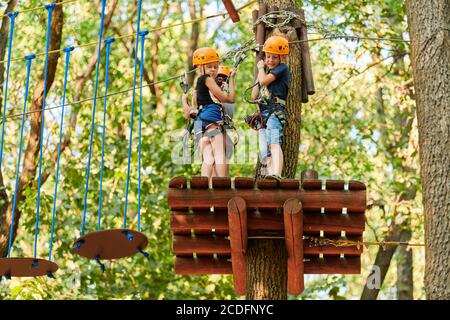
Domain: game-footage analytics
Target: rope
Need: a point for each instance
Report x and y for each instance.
(130, 145)
(39, 8)
(132, 35)
(50, 8)
(142, 34)
(88, 167)
(12, 17)
(16, 187)
(100, 97)
(316, 242)
(108, 42)
(67, 50)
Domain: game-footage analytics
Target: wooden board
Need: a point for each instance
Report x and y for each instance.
(352, 224)
(354, 201)
(237, 219)
(312, 265)
(110, 244)
(234, 15)
(292, 212)
(26, 267)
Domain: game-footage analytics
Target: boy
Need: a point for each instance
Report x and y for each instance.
(271, 92)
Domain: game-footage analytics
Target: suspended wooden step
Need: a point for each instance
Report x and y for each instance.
(26, 267)
(110, 244)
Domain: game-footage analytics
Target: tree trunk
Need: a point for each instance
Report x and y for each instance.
(267, 259)
(382, 263)
(405, 284)
(28, 173)
(429, 28)
(4, 35)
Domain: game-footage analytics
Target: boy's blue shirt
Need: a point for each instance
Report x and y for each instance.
(279, 88)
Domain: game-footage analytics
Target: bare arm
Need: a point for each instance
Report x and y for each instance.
(264, 78)
(186, 107)
(218, 93)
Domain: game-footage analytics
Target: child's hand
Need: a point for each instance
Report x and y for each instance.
(233, 72)
(185, 96)
(261, 64)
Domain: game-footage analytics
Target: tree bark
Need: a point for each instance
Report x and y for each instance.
(29, 167)
(4, 35)
(429, 28)
(267, 259)
(405, 284)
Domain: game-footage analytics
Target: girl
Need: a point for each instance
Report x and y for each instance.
(210, 118)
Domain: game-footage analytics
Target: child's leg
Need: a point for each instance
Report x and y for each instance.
(208, 157)
(218, 146)
(276, 160)
(274, 138)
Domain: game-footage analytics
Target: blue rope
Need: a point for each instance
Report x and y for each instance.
(12, 18)
(108, 52)
(50, 8)
(142, 34)
(132, 114)
(13, 210)
(67, 50)
(88, 167)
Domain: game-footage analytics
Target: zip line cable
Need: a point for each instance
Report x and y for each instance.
(132, 35)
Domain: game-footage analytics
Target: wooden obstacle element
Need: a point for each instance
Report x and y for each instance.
(211, 225)
(234, 15)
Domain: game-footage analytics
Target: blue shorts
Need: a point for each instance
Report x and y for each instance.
(272, 134)
(211, 113)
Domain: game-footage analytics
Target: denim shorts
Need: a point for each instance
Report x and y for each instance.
(272, 134)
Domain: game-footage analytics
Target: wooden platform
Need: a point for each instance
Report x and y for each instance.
(211, 225)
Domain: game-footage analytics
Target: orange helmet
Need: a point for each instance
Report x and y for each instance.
(224, 70)
(204, 56)
(276, 45)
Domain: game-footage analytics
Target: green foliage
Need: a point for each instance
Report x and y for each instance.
(344, 136)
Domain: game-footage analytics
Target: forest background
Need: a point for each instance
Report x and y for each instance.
(361, 124)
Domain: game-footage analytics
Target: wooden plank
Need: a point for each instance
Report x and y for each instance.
(212, 244)
(292, 212)
(202, 265)
(199, 183)
(312, 185)
(290, 184)
(237, 220)
(356, 185)
(221, 182)
(261, 31)
(354, 201)
(244, 183)
(234, 15)
(178, 182)
(267, 184)
(313, 223)
(312, 265)
(332, 265)
(254, 18)
(307, 74)
(334, 184)
(201, 244)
